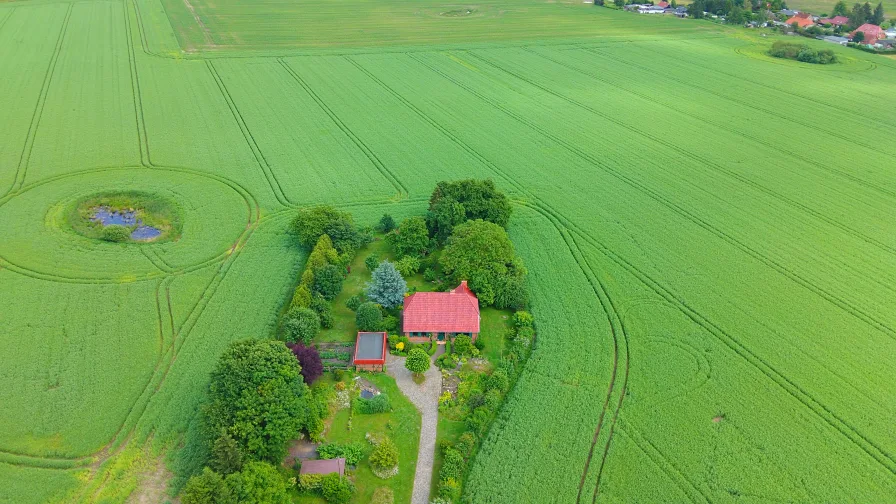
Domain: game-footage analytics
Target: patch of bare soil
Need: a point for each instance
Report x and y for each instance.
(718, 418)
(152, 485)
(299, 449)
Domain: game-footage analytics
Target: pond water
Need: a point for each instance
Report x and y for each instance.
(366, 394)
(109, 217)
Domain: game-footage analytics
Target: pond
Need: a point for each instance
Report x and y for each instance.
(108, 217)
(367, 394)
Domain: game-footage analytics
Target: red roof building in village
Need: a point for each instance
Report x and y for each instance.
(835, 21)
(873, 33)
(803, 20)
(441, 314)
(370, 351)
(662, 4)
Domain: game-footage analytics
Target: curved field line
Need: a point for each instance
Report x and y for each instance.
(753, 105)
(9, 13)
(25, 157)
(687, 214)
(262, 161)
(383, 169)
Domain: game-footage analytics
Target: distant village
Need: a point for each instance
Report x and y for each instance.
(862, 26)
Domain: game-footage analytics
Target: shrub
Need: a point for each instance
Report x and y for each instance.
(465, 444)
(525, 333)
(372, 261)
(324, 311)
(257, 483)
(300, 324)
(449, 489)
(463, 345)
(301, 298)
(313, 222)
(452, 465)
(478, 421)
(115, 233)
(205, 488)
(523, 319)
(309, 482)
(226, 457)
(408, 266)
(384, 455)
(352, 452)
(376, 404)
(309, 360)
(328, 281)
(411, 238)
(354, 302)
(447, 361)
(369, 317)
(386, 287)
(386, 223)
(430, 275)
(452, 203)
(336, 489)
(389, 324)
(498, 380)
(417, 361)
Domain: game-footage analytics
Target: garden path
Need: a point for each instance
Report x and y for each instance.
(426, 398)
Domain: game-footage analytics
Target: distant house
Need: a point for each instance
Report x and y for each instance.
(803, 20)
(662, 4)
(651, 9)
(788, 12)
(370, 351)
(442, 315)
(835, 21)
(323, 467)
(891, 33)
(835, 40)
(873, 33)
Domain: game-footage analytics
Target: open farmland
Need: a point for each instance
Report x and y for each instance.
(709, 233)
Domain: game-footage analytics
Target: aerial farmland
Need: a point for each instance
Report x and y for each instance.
(707, 234)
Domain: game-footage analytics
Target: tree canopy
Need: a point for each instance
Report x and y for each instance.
(328, 281)
(411, 238)
(300, 324)
(481, 253)
(258, 398)
(309, 361)
(417, 361)
(452, 203)
(386, 287)
(313, 222)
(369, 317)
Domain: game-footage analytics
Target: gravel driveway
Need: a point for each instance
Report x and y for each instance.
(426, 398)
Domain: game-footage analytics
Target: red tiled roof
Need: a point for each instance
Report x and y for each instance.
(836, 20)
(451, 312)
(330, 466)
(662, 4)
(802, 20)
(873, 33)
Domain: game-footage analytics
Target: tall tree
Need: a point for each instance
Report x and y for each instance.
(411, 238)
(840, 9)
(309, 361)
(877, 17)
(476, 198)
(257, 397)
(417, 361)
(386, 287)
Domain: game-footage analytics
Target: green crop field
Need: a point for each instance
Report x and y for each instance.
(709, 233)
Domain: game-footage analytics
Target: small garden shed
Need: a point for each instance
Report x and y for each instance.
(323, 467)
(370, 351)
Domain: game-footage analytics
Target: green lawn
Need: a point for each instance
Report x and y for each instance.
(402, 424)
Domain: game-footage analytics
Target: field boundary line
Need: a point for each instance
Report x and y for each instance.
(142, 136)
(687, 214)
(9, 13)
(30, 137)
(653, 453)
(367, 151)
(262, 161)
(753, 105)
(793, 154)
(432, 122)
(723, 126)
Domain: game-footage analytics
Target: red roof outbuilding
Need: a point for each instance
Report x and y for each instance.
(370, 349)
(836, 21)
(802, 20)
(662, 4)
(873, 33)
(456, 311)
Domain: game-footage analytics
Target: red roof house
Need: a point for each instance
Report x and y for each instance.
(441, 314)
(662, 4)
(803, 20)
(873, 33)
(370, 351)
(836, 21)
